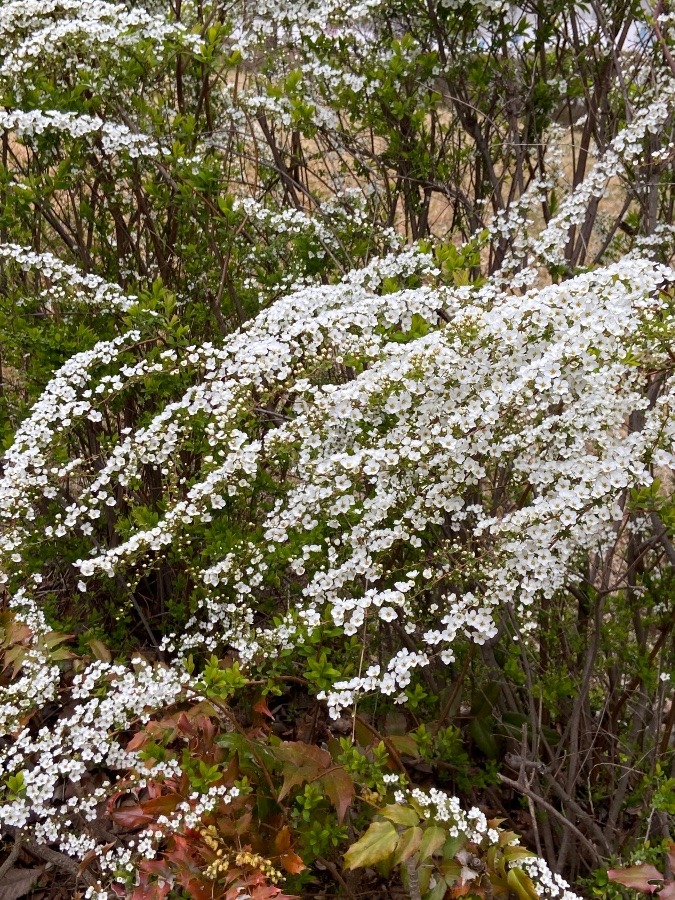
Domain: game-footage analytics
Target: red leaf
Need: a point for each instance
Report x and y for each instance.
(637, 877)
(151, 891)
(265, 892)
(667, 892)
(231, 773)
(89, 857)
(262, 708)
(161, 806)
(130, 817)
(339, 788)
(185, 725)
(180, 854)
(208, 730)
(156, 867)
(282, 842)
(300, 763)
(292, 863)
(137, 741)
(670, 854)
(195, 888)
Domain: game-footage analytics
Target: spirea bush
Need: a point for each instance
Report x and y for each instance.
(336, 348)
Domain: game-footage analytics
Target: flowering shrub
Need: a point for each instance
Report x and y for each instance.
(336, 493)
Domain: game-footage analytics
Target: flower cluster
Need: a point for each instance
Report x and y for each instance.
(390, 451)
(115, 137)
(444, 809)
(482, 396)
(67, 285)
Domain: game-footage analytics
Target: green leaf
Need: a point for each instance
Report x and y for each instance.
(482, 731)
(513, 854)
(408, 843)
(432, 842)
(405, 744)
(439, 890)
(377, 844)
(521, 884)
(99, 649)
(402, 815)
(453, 845)
(451, 871)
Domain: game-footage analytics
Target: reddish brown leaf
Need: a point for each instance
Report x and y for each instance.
(153, 891)
(262, 708)
(265, 892)
(243, 823)
(196, 890)
(157, 867)
(208, 730)
(16, 632)
(154, 789)
(137, 741)
(89, 858)
(339, 789)
(130, 817)
(15, 655)
(231, 773)
(670, 855)
(126, 797)
(303, 755)
(637, 877)
(185, 725)
(300, 763)
(282, 842)
(161, 806)
(292, 863)
(180, 854)
(18, 882)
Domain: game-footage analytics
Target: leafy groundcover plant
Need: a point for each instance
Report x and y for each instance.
(336, 503)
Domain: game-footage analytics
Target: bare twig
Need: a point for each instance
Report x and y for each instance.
(528, 792)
